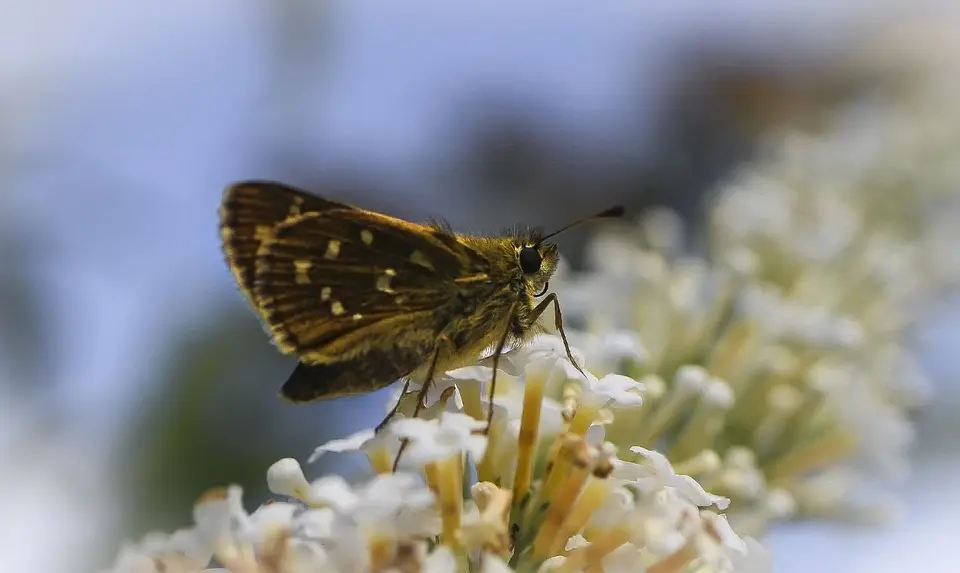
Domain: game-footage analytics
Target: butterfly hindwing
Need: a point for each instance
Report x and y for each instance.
(374, 370)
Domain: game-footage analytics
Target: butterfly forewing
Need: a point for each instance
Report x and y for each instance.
(248, 214)
(330, 284)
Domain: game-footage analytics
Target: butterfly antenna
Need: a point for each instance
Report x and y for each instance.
(615, 211)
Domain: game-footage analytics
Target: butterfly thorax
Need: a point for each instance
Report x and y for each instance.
(499, 300)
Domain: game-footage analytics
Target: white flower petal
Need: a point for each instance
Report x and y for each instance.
(552, 564)
(285, 477)
(545, 347)
(273, 514)
(471, 373)
(622, 344)
(220, 512)
(494, 564)
(461, 422)
(353, 442)
(440, 560)
(628, 558)
(189, 543)
(316, 523)
(332, 491)
(691, 489)
(570, 372)
(595, 434)
(622, 390)
(414, 428)
(660, 474)
(615, 508)
(606, 352)
(721, 527)
(434, 440)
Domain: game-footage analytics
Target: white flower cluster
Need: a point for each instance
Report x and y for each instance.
(550, 494)
(775, 361)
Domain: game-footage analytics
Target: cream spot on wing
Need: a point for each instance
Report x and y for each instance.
(302, 276)
(367, 237)
(295, 207)
(337, 308)
(333, 249)
(400, 299)
(418, 258)
(357, 316)
(262, 232)
(325, 294)
(383, 281)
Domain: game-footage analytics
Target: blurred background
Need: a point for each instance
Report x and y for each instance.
(132, 374)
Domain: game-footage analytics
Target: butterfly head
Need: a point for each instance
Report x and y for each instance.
(537, 260)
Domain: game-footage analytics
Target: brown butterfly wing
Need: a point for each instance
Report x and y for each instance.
(249, 212)
(393, 282)
(359, 297)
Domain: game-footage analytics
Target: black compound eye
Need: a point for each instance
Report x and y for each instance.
(530, 260)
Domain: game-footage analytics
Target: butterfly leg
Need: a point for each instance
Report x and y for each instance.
(496, 362)
(421, 395)
(558, 321)
(393, 411)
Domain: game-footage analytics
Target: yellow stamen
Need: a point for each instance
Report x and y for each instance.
(274, 554)
(494, 505)
(237, 556)
(212, 495)
(431, 474)
(665, 413)
(582, 420)
(675, 562)
(567, 492)
(529, 432)
(449, 476)
(472, 406)
(591, 498)
(727, 360)
(561, 454)
(381, 460)
(571, 397)
(487, 468)
(707, 461)
(593, 554)
(700, 431)
(382, 549)
(782, 401)
(827, 450)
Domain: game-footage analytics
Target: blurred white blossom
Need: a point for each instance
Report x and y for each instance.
(776, 355)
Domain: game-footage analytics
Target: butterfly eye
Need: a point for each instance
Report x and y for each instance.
(530, 260)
